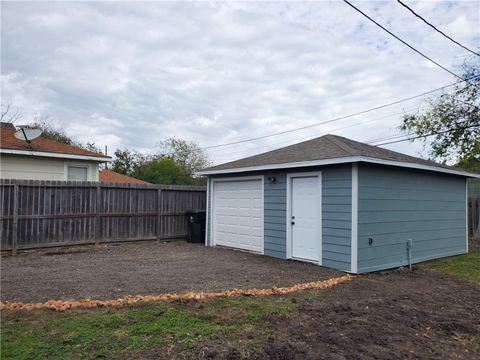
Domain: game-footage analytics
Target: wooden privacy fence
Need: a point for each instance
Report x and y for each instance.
(473, 217)
(36, 214)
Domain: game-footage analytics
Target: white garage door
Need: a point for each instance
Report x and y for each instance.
(238, 214)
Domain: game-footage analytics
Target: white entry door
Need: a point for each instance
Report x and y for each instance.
(305, 218)
(238, 214)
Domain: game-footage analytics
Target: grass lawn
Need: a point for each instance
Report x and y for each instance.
(97, 333)
(467, 266)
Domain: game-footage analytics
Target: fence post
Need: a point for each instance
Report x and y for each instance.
(15, 219)
(98, 230)
(476, 220)
(157, 218)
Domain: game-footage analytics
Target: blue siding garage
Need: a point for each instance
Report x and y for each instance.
(396, 204)
(336, 214)
(341, 204)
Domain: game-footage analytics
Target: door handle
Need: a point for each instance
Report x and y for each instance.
(293, 223)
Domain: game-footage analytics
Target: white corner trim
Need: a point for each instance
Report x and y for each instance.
(289, 239)
(209, 215)
(466, 213)
(349, 159)
(354, 249)
(55, 155)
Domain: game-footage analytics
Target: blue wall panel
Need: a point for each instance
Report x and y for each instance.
(275, 217)
(337, 216)
(397, 204)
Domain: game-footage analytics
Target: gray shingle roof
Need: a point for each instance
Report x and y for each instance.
(323, 148)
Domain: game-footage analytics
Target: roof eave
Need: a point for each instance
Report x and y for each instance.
(343, 160)
(56, 155)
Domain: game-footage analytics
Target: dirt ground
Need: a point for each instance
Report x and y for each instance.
(390, 315)
(396, 314)
(110, 272)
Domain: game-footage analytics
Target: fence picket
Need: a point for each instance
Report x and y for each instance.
(38, 214)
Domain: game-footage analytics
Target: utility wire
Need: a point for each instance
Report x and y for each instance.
(340, 118)
(298, 140)
(401, 40)
(426, 135)
(397, 136)
(435, 28)
(289, 141)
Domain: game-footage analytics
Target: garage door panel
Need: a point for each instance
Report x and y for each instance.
(238, 214)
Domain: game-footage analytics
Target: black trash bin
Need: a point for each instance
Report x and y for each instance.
(196, 225)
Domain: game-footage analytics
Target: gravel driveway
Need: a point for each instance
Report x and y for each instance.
(112, 271)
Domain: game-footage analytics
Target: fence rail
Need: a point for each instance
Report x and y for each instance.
(474, 218)
(36, 214)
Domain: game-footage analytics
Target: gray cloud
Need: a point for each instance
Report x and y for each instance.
(129, 74)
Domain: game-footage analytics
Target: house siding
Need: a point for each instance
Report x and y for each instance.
(41, 168)
(275, 216)
(397, 204)
(336, 213)
(337, 216)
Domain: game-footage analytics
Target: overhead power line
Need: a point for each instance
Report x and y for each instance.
(285, 142)
(341, 117)
(401, 40)
(426, 135)
(435, 28)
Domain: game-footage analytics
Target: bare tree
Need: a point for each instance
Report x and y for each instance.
(9, 114)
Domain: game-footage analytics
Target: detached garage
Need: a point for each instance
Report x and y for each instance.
(338, 203)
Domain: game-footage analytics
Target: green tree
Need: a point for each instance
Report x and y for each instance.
(471, 163)
(451, 123)
(186, 153)
(164, 171)
(126, 161)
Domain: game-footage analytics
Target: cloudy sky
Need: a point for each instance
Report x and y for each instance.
(128, 74)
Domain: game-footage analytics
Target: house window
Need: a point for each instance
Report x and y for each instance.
(77, 173)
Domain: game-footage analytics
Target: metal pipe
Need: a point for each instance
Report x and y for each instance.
(409, 253)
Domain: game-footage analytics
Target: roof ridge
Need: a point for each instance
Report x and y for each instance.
(325, 148)
(333, 139)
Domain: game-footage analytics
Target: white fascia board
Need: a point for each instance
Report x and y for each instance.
(278, 166)
(343, 160)
(55, 155)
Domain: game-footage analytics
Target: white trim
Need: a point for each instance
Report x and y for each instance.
(66, 165)
(349, 159)
(354, 245)
(212, 207)
(209, 222)
(466, 213)
(291, 176)
(55, 155)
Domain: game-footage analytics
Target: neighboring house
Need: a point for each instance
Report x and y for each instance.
(45, 159)
(338, 203)
(110, 176)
